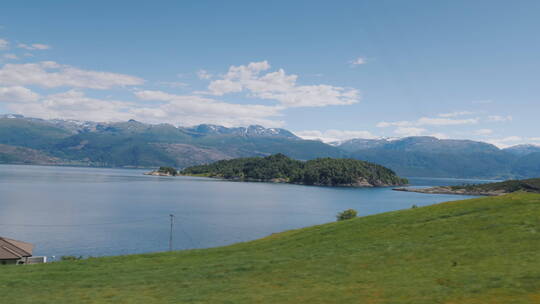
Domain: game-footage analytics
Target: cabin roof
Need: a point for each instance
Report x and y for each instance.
(13, 249)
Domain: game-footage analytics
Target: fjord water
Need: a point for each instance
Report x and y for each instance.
(96, 212)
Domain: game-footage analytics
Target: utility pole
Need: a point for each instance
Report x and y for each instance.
(171, 233)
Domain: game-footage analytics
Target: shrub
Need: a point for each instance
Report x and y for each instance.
(346, 215)
(70, 258)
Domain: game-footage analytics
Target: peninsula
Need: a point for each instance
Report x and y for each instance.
(279, 168)
(491, 189)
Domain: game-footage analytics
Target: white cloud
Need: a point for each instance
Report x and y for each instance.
(456, 114)
(333, 135)
(358, 61)
(4, 44)
(11, 56)
(414, 127)
(73, 104)
(191, 110)
(239, 77)
(34, 46)
(498, 118)
(440, 135)
(340, 135)
(428, 121)
(280, 87)
(385, 124)
(509, 141)
(483, 132)
(410, 131)
(166, 108)
(506, 142)
(17, 94)
(50, 74)
(203, 74)
(174, 84)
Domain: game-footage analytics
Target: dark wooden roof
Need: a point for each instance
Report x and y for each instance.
(14, 250)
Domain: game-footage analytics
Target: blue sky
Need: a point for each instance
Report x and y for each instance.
(329, 70)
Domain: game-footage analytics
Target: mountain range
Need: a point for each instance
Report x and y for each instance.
(429, 156)
(135, 144)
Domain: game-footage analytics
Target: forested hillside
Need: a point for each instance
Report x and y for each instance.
(135, 144)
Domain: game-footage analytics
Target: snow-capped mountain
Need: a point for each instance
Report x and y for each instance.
(355, 144)
(77, 126)
(250, 131)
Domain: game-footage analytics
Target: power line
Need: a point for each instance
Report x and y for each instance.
(187, 235)
(81, 225)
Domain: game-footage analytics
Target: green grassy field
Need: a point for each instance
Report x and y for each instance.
(484, 250)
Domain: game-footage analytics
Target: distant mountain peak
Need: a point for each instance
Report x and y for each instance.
(11, 116)
(250, 131)
(523, 149)
(524, 146)
(416, 143)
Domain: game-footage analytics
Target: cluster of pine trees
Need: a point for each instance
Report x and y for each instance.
(321, 171)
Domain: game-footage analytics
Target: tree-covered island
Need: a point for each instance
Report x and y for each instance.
(282, 169)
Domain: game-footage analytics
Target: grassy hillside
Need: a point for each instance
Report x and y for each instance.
(483, 250)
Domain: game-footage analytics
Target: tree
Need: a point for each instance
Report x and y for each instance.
(168, 170)
(346, 215)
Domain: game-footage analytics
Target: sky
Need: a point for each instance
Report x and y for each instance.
(329, 70)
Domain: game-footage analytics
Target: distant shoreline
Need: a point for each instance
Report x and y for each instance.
(359, 184)
(490, 189)
(449, 190)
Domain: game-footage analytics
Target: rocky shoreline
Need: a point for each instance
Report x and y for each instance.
(158, 173)
(450, 190)
(361, 182)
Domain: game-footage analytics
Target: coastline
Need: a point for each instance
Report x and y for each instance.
(450, 190)
(362, 183)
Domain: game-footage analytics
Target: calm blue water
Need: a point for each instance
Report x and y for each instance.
(95, 212)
